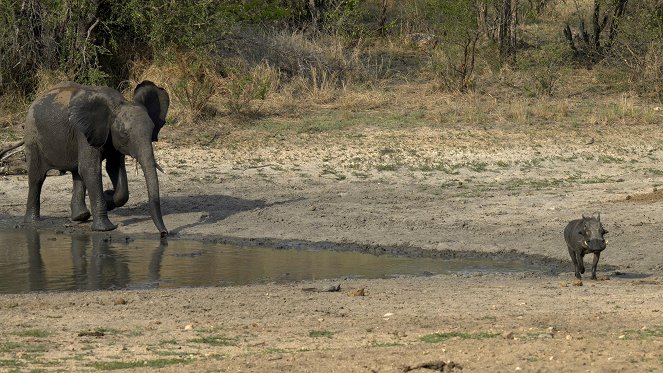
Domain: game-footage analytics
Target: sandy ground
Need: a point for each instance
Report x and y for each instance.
(496, 191)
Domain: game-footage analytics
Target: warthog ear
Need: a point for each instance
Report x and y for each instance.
(598, 216)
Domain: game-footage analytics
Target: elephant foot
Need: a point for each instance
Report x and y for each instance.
(80, 216)
(31, 218)
(103, 225)
(108, 197)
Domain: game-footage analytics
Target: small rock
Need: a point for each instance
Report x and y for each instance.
(569, 337)
(188, 327)
(120, 300)
(507, 335)
(388, 314)
(358, 292)
(577, 283)
(330, 288)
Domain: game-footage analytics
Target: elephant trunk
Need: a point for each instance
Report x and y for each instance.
(149, 166)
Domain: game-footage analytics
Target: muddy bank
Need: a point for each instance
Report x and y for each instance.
(494, 201)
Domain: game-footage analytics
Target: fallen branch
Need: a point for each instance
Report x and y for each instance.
(259, 166)
(9, 147)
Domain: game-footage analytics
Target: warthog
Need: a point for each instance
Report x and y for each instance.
(584, 236)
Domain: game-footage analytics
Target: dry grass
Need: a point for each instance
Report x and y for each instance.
(287, 79)
(49, 78)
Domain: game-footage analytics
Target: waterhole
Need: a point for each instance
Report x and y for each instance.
(33, 260)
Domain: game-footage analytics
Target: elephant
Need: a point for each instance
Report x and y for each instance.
(74, 127)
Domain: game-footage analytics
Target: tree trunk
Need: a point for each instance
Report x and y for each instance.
(508, 23)
(383, 19)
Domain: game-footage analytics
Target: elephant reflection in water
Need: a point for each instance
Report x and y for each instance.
(36, 273)
(95, 265)
(99, 268)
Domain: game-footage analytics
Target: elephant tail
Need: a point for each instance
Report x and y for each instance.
(6, 150)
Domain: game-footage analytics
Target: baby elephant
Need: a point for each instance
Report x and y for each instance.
(584, 236)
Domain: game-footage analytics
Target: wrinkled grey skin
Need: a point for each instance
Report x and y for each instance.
(584, 236)
(74, 128)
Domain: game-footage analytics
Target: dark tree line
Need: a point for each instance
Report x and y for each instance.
(96, 41)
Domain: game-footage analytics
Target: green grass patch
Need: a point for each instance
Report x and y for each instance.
(35, 333)
(10, 346)
(477, 166)
(387, 167)
(171, 353)
(320, 333)
(597, 180)
(135, 333)
(360, 175)
(157, 363)
(643, 334)
(338, 120)
(8, 363)
(652, 171)
(611, 159)
(531, 164)
(215, 340)
(385, 344)
(441, 337)
(275, 350)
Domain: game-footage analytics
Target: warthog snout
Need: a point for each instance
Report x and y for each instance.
(596, 245)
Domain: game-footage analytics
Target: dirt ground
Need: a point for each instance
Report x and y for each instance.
(497, 190)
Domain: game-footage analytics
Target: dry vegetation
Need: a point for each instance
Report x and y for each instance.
(283, 80)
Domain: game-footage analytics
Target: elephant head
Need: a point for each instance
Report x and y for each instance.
(118, 127)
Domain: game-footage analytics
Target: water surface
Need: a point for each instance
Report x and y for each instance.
(31, 260)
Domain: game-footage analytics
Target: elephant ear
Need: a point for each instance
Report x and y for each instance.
(156, 100)
(90, 113)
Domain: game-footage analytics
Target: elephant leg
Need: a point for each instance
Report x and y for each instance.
(117, 172)
(89, 167)
(36, 176)
(79, 211)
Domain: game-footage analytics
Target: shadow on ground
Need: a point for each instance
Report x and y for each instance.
(213, 208)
